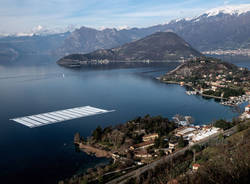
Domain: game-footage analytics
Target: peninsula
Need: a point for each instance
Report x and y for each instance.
(146, 143)
(213, 78)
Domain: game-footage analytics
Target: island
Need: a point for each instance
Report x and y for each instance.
(160, 47)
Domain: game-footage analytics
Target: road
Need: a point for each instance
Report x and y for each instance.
(135, 173)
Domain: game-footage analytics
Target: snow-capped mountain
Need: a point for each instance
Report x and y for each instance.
(231, 10)
(235, 10)
(40, 30)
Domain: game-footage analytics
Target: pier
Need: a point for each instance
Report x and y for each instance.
(59, 116)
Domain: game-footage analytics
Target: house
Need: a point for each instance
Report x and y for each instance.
(142, 145)
(172, 145)
(247, 108)
(150, 137)
(195, 167)
(141, 131)
(142, 154)
(248, 115)
(182, 83)
(204, 133)
(214, 88)
(168, 151)
(185, 131)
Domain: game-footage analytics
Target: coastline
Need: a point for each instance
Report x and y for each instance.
(185, 84)
(89, 149)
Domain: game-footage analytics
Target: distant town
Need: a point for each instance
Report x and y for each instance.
(238, 52)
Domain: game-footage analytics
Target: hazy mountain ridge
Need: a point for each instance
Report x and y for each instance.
(13, 46)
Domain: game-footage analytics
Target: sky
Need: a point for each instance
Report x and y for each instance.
(27, 16)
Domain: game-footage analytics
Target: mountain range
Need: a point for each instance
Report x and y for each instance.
(221, 28)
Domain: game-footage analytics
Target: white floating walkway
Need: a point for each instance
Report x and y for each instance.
(59, 116)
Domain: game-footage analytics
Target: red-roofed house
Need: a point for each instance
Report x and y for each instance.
(196, 167)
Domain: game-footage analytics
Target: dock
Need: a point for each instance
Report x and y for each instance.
(59, 116)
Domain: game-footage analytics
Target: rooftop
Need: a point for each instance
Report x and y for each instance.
(186, 130)
(143, 144)
(150, 135)
(196, 165)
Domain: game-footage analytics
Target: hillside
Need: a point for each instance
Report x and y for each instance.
(225, 160)
(161, 46)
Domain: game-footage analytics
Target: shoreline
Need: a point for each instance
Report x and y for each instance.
(90, 149)
(204, 95)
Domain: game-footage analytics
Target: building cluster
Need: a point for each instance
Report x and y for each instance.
(241, 52)
(140, 150)
(220, 80)
(217, 83)
(237, 100)
(195, 134)
(190, 134)
(246, 114)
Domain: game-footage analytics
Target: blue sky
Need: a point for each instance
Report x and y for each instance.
(27, 15)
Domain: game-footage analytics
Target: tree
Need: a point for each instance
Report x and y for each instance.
(77, 138)
(97, 133)
(157, 142)
(181, 142)
(223, 124)
(130, 155)
(82, 139)
(161, 152)
(241, 127)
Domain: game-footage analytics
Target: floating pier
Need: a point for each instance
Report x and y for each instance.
(59, 116)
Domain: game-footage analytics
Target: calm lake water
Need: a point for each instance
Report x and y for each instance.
(46, 154)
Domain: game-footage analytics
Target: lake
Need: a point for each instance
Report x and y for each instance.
(47, 154)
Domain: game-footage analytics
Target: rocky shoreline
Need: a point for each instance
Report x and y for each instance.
(89, 149)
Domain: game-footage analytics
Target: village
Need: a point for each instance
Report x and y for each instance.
(225, 82)
(154, 145)
(148, 140)
(185, 135)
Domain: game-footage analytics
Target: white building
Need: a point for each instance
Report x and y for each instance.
(247, 108)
